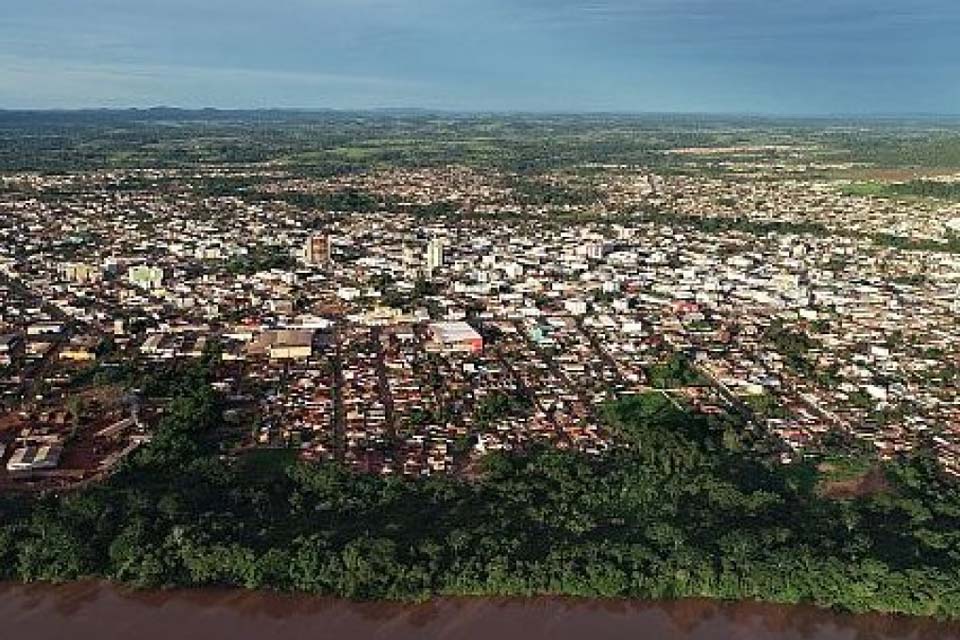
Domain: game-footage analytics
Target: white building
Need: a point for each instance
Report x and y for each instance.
(435, 254)
(145, 277)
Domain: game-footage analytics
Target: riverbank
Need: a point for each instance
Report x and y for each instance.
(681, 510)
(88, 610)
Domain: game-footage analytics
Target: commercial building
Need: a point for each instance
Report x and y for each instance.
(287, 344)
(82, 349)
(317, 250)
(456, 336)
(80, 273)
(35, 458)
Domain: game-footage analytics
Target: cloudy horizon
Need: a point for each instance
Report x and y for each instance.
(723, 56)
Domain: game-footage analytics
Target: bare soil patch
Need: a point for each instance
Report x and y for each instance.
(868, 484)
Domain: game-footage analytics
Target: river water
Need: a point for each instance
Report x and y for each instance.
(89, 611)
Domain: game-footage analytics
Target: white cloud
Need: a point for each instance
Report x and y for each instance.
(27, 83)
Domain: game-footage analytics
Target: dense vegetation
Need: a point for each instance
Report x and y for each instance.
(941, 190)
(346, 200)
(676, 371)
(680, 510)
(323, 143)
(794, 346)
(928, 189)
(264, 259)
(950, 245)
(903, 145)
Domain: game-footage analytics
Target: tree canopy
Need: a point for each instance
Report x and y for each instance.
(680, 510)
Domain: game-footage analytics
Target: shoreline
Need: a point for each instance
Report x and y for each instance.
(112, 607)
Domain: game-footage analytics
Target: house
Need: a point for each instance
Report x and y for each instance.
(11, 347)
(35, 458)
(81, 349)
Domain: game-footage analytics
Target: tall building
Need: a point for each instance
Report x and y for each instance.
(80, 272)
(435, 250)
(409, 257)
(146, 277)
(318, 250)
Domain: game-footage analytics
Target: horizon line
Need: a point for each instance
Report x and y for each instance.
(480, 112)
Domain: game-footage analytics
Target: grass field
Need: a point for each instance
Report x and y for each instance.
(845, 468)
(268, 462)
(918, 189)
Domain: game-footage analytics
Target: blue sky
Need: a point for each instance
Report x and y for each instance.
(757, 56)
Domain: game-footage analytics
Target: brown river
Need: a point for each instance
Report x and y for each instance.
(89, 611)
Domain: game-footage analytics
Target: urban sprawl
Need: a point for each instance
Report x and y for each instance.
(426, 316)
